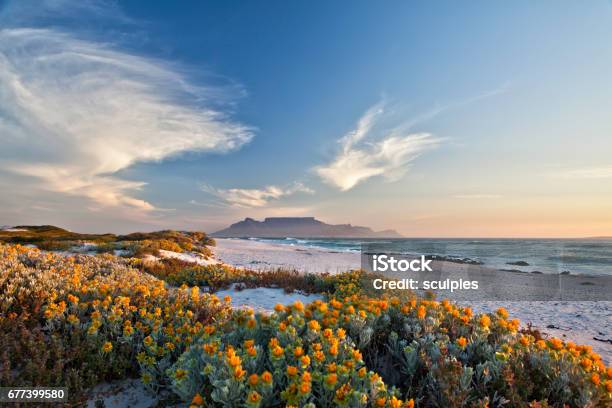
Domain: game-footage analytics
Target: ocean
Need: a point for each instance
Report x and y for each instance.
(577, 256)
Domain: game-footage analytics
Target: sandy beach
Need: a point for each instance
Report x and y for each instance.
(584, 322)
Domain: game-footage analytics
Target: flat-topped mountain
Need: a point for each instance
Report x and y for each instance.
(298, 227)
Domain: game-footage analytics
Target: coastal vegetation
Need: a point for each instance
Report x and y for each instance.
(77, 320)
(138, 244)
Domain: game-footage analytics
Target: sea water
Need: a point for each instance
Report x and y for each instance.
(576, 256)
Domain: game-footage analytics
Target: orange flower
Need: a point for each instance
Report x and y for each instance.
(595, 379)
(462, 342)
(277, 351)
(253, 379)
(298, 351)
(292, 371)
(556, 344)
(107, 347)
(421, 312)
(587, 364)
(197, 400)
(299, 306)
(314, 325)
(234, 361)
(380, 402)
(331, 379)
(239, 373)
(395, 403)
(305, 388)
(266, 377)
(485, 321)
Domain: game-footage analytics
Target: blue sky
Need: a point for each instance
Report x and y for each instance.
(433, 118)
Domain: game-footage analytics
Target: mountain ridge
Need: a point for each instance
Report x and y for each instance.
(298, 227)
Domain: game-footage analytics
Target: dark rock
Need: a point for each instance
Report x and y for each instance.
(518, 263)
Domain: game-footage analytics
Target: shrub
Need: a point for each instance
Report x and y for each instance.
(76, 321)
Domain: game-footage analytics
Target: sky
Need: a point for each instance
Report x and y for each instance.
(436, 119)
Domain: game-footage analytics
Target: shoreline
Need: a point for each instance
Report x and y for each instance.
(583, 322)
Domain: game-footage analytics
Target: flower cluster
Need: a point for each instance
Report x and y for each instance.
(92, 318)
(388, 352)
(76, 320)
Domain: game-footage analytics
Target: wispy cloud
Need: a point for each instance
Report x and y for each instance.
(478, 196)
(249, 198)
(74, 113)
(363, 156)
(602, 172)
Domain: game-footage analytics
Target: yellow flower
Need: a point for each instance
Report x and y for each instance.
(254, 397)
(107, 347)
(503, 313)
(485, 321)
(180, 374)
(314, 325)
(395, 403)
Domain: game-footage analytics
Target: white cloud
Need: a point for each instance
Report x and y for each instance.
(249, 198)
(602, 172)
(361, 158)
(74, 113)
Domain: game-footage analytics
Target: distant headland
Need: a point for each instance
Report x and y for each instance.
(299, 227)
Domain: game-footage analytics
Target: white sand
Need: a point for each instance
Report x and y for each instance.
(122, 394)
(188, 257)
(264, 299)
(578, 321)
(263, 256)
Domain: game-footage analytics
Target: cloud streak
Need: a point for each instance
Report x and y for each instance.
(74, 113)
(252, 198)
(363, 156)
(603, 172)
